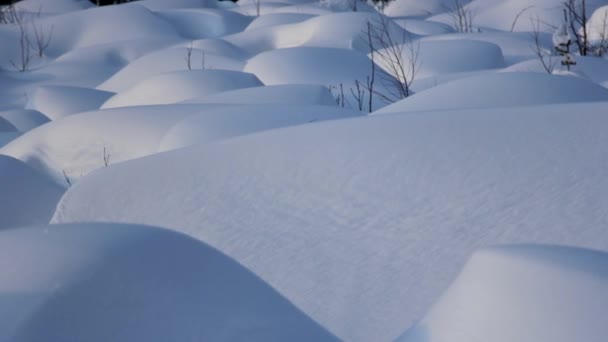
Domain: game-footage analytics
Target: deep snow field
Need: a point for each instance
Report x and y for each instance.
(194, 170)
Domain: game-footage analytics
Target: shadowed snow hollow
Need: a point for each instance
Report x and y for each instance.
(94, 282)
(26, 196)
(58, 101)
(522, 293)
(364, 222)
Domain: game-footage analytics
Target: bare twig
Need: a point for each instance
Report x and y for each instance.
(543, 55)
(519, 15)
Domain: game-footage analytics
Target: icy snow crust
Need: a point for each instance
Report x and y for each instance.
(243, 130)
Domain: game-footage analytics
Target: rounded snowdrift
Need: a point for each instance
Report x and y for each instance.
(294, 94)
(385, 209)
(507, 89)
(224, 123)
(24, 119)
(522, 293)
(178, 86)
(165, 61)
(104, 282)
(26, 196)
(58, 101)
(75, 145)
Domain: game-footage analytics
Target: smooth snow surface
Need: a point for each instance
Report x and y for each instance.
(93, 282)
(28, 198)
(506, 89)
(59, 101)
(384, 209)
(522, 293)
(178, 86)
(277, 133)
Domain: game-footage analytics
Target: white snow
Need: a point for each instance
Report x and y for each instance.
(94, 282)
(522, 293)
(250, 127)
(384, 209)
(506, 89)
(172, 87)
(58, 101)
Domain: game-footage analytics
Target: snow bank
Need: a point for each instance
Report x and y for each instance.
(506, 89)
(522, 293)
(26, 196)
(363, 223)
(178, 86)
(94, 282)
(58, 101)
(223, 123)
(293, 94)
(23, 119)
(164, 61)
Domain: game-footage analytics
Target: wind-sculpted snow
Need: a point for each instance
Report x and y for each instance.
(362, 223)
(94, 282)
(522, 293)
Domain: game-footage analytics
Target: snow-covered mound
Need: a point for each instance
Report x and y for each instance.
(23, 119)
(274, 19)
(294, 94)
(223, 123)
(58, 101)
(506, 89)
(26, 196)
(104, 25)
(364, 222)
(94, 282)
(205, 23)
(525, 294)
(348, 31)
(178, 86)
(516, 15)
(409, 8)
(53, 6)
(464, 56)
(168, 60)
(597, 27)
(321, 66)
(75, 144)
(156, 5)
